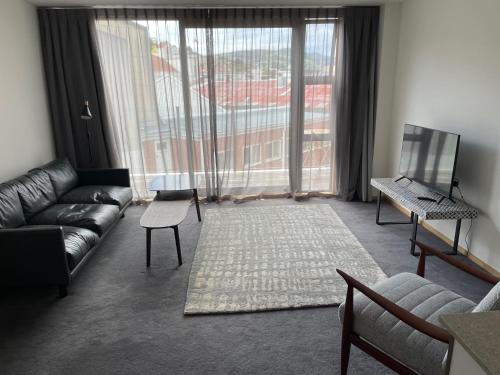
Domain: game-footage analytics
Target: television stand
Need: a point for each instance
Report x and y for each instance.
(426, 209)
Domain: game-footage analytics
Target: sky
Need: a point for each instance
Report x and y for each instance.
(318, 37)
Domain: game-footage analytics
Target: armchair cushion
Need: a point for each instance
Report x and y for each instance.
(105, 194)
(95, 217)
(62, 175)
(491, 302)
(397, 339)
(11, 211)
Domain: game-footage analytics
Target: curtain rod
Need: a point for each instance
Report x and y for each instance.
(202, 6)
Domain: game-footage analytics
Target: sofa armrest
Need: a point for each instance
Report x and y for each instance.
(33, 256)
(104, 176)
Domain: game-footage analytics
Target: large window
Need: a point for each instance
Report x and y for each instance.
(246, 80)
(318, 82)
(216, 102)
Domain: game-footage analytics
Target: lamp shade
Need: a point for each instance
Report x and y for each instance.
(86, 114)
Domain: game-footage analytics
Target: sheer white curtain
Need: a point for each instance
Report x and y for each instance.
(239, 99)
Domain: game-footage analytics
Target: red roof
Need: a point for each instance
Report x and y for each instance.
(266, 92)
(318, 96)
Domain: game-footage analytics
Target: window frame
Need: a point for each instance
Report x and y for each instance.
(249, 161)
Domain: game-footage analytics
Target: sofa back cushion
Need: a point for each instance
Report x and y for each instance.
(491, 302)
(11, 211)
(35, 192)
(62, 175)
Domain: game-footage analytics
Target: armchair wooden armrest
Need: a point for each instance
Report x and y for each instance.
(425, 249)
(412, 320)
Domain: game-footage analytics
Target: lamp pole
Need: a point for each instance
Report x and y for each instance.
(86, 116)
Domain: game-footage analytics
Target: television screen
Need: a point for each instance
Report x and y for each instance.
(429, 156)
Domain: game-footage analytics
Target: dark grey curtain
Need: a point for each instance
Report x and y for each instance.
(355, 89)
(73, 75)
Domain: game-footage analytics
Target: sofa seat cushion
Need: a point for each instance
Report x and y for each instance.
(105, 194)
(35, 192)
(62, 175)
(11, 211)
(78, 242)
(419, 296)
(96, 217)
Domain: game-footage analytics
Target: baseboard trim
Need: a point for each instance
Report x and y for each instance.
(447, 240)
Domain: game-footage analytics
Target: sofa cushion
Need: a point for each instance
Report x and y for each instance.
(419, 296)
(491, 302)
(11, 211)
(62, 174)
(78, 242)
(35, 192)
(106, 194)
(96, 217)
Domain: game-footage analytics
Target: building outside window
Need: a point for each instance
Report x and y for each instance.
(273, 150)
(252, 155)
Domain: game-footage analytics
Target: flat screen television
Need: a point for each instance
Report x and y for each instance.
(429, 157)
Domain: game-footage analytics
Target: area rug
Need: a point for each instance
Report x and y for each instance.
(274, 257)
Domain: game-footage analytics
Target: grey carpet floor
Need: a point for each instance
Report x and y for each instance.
(120, 318)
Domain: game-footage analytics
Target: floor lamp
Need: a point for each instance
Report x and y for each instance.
(86, 116)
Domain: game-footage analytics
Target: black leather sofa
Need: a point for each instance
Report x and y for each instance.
(53, 218)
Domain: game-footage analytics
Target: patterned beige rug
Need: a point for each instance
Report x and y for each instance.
(274, 257)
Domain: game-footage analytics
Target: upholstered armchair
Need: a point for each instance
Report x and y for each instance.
(396, 321)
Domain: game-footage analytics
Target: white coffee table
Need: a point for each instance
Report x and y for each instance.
(164, 214)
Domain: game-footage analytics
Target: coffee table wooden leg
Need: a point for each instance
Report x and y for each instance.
(178, 244)
(197, 203)
(148, 247)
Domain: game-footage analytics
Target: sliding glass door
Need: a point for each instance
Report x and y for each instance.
(222, 98)
(242, 77)
(318, 71)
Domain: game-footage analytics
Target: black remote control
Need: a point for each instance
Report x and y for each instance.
(426, 199)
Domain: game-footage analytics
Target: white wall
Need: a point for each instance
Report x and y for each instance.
(448, 77)
(25, 132)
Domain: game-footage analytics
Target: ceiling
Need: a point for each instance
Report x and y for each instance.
(206, 3)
